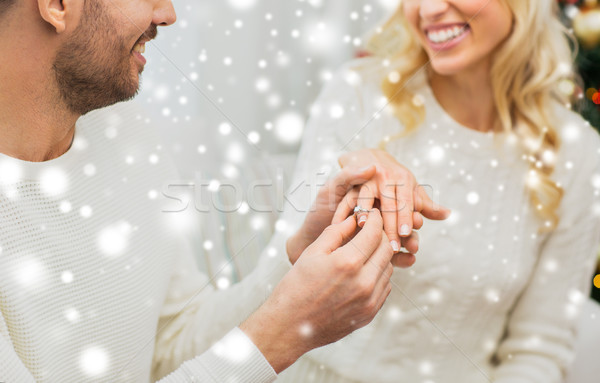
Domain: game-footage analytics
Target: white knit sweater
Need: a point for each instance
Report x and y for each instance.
(95, 283)
(489, 299)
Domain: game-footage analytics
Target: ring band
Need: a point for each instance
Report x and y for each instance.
(359, 209)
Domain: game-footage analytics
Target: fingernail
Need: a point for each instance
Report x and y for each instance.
(362, 219)
(404, 230)
(395, 246)
(364, 169)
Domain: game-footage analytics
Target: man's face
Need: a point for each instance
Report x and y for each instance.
(97, 66)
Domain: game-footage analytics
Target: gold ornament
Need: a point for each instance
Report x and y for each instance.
(586, 26)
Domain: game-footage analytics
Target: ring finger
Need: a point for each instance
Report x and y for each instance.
(366, 199)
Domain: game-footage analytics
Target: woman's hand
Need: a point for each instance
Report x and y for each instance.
(321, 213)
(395, 191)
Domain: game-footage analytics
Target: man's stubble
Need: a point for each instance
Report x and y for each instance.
(94, 69)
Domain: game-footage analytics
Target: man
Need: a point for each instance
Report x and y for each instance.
(94, 284)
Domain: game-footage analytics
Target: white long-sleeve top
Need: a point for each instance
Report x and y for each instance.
(96, 284)
(490, 299)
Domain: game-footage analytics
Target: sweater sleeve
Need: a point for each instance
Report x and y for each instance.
(12, 368)
(539, 346)
(195, 317)
(233, 358)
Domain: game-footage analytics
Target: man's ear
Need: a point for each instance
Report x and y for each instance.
(54, 12)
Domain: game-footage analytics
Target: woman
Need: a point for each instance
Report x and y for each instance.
(464, 94)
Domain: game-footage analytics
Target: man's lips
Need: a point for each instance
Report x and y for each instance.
(139, 48)
(138, 51)
(139, 57)
(147, 36)
(140, 45)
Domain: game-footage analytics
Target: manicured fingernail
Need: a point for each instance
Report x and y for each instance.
(404, 230)
(395, 246)
(362, 219)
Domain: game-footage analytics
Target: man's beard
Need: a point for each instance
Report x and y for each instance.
(93, 69)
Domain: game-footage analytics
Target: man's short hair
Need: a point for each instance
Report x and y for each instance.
(4, 5)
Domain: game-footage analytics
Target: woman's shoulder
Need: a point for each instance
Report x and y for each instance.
(579, 151)
(576, 134)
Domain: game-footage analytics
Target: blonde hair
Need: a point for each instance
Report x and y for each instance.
(525, 75)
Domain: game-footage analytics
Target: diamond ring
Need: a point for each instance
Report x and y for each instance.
(359, 209)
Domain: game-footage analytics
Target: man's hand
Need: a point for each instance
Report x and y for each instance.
(337, 286)
(324, 207)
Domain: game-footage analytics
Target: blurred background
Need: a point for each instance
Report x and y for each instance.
(229, 87)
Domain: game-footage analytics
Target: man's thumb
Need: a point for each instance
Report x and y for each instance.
(336, 235)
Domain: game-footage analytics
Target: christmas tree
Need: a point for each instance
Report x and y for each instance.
(583, 17)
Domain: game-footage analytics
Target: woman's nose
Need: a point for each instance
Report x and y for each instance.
(433, 9)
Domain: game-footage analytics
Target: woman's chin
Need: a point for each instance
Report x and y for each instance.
(450, 63)
(447, 67)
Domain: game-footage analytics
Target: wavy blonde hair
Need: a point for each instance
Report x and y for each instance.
(527, 69)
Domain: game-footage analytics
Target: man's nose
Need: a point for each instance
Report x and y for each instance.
(164, 13)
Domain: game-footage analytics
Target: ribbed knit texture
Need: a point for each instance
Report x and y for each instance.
(486, 282)
(96, 283)
(233, 359)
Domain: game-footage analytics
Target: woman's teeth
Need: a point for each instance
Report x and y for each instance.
(445, 35)
(140, 48)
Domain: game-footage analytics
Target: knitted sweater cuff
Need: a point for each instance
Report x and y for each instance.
(232, 359)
